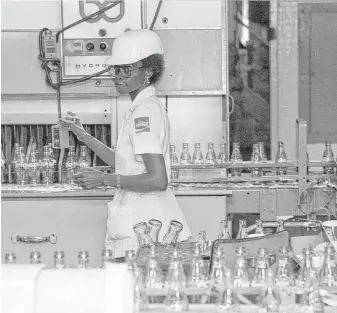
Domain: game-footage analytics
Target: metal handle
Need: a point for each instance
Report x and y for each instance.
(233, 104)
(52, 238)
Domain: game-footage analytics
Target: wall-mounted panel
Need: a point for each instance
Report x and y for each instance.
(30, 14)
(193, 60)
(185, 13)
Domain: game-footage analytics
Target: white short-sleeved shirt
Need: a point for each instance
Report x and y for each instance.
(145, 129)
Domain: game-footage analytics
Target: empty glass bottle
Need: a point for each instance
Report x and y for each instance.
(328, 160)
(197, 155)
(223, 160)
(262, 152)
(202, 242)
(106, 257)
(240, 273)
(47, 167)
(10, 258)
(328, 273)
(259, 227)
(306, 268)
(198, 275)
(281, 157)
(54, 160)
(33, 168)
(270, 300)
(176, 298)
(59, 260)
(154, 229)
(185, 157)
(153, 276)
(236, 158)
(260, 275)
(217, 273)
(256, 159)
(21, 168)
(3, 167)
(173, 155)
(176, 273)
(35, 257)
(228, 300)
(311, 300)
(141, 230)
(83, 259)
(209, 245)
(130, 259)
(71, 165)
(210, 156)
(171, 236)
(224, 231)
(242, 233)
(83, 160)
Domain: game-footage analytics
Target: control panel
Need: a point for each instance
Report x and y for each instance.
(87, 45)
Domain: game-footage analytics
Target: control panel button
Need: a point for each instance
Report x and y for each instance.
(103, 46)
(90, 46)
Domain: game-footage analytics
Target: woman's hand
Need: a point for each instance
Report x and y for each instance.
(89, 178)
(72, 121)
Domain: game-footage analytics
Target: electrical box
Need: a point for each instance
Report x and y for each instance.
(87, 45)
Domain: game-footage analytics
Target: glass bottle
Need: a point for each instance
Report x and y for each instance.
(47, 167)
(16, 153)
(217, 273)
(236, 158)
(59, 260)
(197, 276)
(223, 160)
(306, 268)
(35, 257)
(284, 274)
(197, 158)
(280, 226)
(83, 259)
(228, 300)
(256, 159)
(54, 160)
(71, 165)
(209, 245)
(328, 273)
(259, 227)
(260, 275)
(171, 236)
(21, 168)
(224, 231)
(240, 273)
(176, 298)
(3, 167)
(202, 243)
(328, 160)
(210, 156)
(154, 229)
(143, 237)
(270, 300)
(34, 169)
(176, 273)
(10, 258)
(311, 300)
(130, 259)
(106, 257)
(83, 159)
(153, 276)
(242, 233)
(185, 157)
(173, 155)
(281, 157)
(262, 152)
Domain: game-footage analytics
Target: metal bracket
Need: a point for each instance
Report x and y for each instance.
(268, 204)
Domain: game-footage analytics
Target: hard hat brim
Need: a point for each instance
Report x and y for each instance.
(124, 60)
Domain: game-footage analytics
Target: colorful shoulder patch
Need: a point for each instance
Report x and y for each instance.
(142, 124)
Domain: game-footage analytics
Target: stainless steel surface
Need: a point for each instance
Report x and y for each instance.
(52, 238)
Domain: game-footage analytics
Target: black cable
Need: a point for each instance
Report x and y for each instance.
(86, 18)
(156, 14)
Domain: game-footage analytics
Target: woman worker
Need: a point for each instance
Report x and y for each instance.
(141, 159)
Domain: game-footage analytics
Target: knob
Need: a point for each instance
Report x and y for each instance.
(103, 46)
(90, 46)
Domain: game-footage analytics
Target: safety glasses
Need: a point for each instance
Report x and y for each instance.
(125, 71)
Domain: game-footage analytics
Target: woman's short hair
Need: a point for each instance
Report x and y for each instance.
(156, 64)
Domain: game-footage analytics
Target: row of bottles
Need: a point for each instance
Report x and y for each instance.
(83, 258)
(37, 171)
(258, 157)
(221, 282)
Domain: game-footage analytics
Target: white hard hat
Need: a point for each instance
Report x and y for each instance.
(133, 46)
